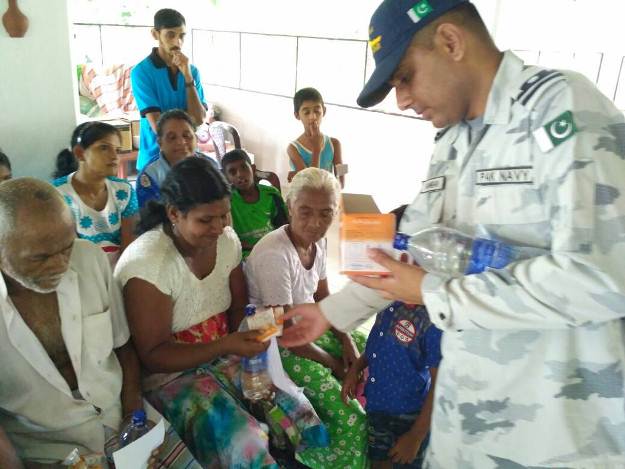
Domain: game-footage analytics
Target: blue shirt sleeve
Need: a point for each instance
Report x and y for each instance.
(432, 346)
(143, 89)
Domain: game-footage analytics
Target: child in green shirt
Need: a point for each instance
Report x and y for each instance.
(256, 209)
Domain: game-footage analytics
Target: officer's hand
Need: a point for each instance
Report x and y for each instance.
(307, 324)
(402, 284)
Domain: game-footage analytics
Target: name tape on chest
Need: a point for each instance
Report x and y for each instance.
(516, 175)
(433, 185)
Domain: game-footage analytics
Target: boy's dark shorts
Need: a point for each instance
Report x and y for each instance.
(384, 430)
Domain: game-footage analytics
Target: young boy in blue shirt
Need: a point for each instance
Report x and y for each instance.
(402, 354)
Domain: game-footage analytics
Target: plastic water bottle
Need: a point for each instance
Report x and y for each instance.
(450, 253)
(137, 427)
(256, 383)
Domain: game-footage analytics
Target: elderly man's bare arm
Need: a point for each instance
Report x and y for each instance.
(8, 456)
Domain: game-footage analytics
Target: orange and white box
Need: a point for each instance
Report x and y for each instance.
(363, 227)
(267, 320)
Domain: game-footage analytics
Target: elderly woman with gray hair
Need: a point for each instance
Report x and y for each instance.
(287, 267)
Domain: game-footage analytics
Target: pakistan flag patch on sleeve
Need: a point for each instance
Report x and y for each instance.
(555, 132)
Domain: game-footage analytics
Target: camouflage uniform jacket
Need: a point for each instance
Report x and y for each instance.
(534, 354)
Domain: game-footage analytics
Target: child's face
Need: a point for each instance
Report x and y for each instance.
(239, 174)
(311, 114)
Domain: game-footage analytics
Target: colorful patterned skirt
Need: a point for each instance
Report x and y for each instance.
(212, 421)
(347, 423)
(205, 407)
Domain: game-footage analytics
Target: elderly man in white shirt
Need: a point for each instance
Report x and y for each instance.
(64, 350)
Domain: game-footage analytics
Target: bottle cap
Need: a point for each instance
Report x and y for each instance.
(401, 241)
(138, 417)
(250, 310)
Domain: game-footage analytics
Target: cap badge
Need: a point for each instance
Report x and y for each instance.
(419, 11)
(376, 44)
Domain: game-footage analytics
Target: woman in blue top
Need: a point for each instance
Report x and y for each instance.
(104, 207)
(312, 148)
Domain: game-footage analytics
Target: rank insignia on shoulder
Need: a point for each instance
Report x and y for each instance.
(144, 180)
(555, 132)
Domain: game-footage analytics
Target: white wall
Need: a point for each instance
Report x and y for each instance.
(253, 75)
(37, 88)
(387, 154)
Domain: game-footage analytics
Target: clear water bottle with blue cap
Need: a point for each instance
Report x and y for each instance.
(256, 383)
(137, 427)
(448, 252)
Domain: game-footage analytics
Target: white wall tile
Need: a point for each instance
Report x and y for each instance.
(86, 44)
(268, 63)
(334, 67)
(128, 44)
(217, 56)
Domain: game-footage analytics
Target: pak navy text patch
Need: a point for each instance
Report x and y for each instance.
(515, 175)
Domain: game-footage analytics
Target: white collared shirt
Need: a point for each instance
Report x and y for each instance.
(37, 408)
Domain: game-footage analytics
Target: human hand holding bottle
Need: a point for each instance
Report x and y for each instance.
(244, 344)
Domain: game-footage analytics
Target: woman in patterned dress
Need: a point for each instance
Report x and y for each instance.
(288, 266)
(104, 207)
(184, 293)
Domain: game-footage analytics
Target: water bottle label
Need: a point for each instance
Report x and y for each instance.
(488, 253)
(400, 242)
(255, 364)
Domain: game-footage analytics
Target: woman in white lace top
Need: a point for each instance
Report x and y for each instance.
(184, 293)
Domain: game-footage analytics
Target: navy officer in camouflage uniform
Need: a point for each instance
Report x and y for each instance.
(533, 354)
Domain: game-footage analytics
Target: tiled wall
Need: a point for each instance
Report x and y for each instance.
(253, 76)
(281, 64)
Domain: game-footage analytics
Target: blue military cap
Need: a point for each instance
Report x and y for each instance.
(393, 25)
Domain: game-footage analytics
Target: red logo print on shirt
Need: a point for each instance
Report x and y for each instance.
(405, 331)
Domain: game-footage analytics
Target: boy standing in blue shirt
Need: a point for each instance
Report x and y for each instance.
(402, 354)
(165, 80)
